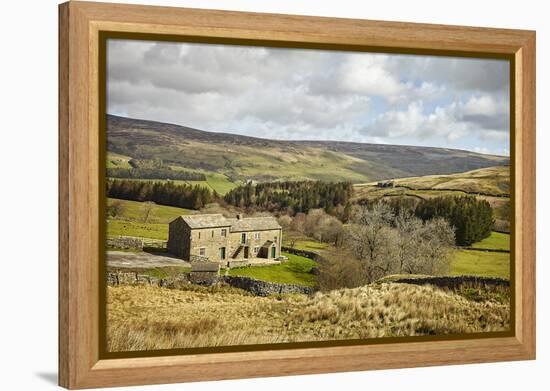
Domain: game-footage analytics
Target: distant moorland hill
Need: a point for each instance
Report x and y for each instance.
(242, 158)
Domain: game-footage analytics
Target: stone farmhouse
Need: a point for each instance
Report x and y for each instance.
(229, 241)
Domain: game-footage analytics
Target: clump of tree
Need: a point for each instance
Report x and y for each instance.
(155, 173)
(385, 243)
(163, 193)
(339, 270)
(472, 218)
(293, 196)
(115, 209)
(316, 224)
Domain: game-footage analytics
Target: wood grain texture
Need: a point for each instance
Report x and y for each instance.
(80, 24)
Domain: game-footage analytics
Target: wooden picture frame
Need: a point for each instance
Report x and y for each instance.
(80, 26)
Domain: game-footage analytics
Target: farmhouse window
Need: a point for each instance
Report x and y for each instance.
(199, 234)
(256, 235)
(202, 251)
(243, 238)
(224, 232)
(256, 249)
(212, 233)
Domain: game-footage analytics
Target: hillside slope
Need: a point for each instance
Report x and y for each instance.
(242, 157)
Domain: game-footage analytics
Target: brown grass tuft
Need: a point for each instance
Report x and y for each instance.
(147, 317)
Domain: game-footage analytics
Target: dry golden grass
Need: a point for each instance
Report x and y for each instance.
(147, 317)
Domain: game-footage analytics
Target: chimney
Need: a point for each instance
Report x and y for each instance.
(239, 216)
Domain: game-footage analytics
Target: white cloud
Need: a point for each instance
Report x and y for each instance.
(453, 122)
(311, 94)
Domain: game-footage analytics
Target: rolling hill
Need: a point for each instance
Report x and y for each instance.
(240, 158)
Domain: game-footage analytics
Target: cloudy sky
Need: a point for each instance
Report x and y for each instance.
(316, 95)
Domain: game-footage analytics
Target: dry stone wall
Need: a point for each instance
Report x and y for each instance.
(256, 287)
(453, 282)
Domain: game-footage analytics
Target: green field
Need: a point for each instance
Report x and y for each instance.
(307, 245)
(497, 241)
(297, 270)
(480, 263)
(137, 211)
(484, 263)
(131, 219)
(141, 230)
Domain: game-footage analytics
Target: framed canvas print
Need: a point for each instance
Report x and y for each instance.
(247, 195)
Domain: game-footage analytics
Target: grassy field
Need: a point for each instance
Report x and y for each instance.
(148, 317)
(131, 219)
(497, 241)
(219, 183)
(493, 180)
(304, 243)
(297, 270)
(484, 263)
(480, 263)
(137, 211)
(141, 230)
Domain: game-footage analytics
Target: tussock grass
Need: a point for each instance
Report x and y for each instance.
(147, 317)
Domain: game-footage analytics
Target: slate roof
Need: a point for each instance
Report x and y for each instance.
(254, 224)
(237, 225)
(206, 221)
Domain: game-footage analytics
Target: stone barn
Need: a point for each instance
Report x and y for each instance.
(215, 238)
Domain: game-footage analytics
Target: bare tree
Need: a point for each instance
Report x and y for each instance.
(115, 209)
(147, 208)
(408, 252)
(373, 239)
(298, 223)
(438, 238)
(340, 270)
(285, 222)
(329, 230)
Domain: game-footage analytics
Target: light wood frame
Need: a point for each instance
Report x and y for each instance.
(80, 24)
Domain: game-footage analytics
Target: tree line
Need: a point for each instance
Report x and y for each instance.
(472, 218)
(163, 193)
(155, 173)
(292, 196)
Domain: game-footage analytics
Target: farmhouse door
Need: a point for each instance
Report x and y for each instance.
(222, 252)
(246, 252)
(273, 251)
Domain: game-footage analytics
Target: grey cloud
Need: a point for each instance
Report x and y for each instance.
(288, 93)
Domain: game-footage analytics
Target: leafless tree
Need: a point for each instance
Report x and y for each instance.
(372, 238)
(298, 223)
(285, 221)
(147, 208)
(115, 209)
(340, 270)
